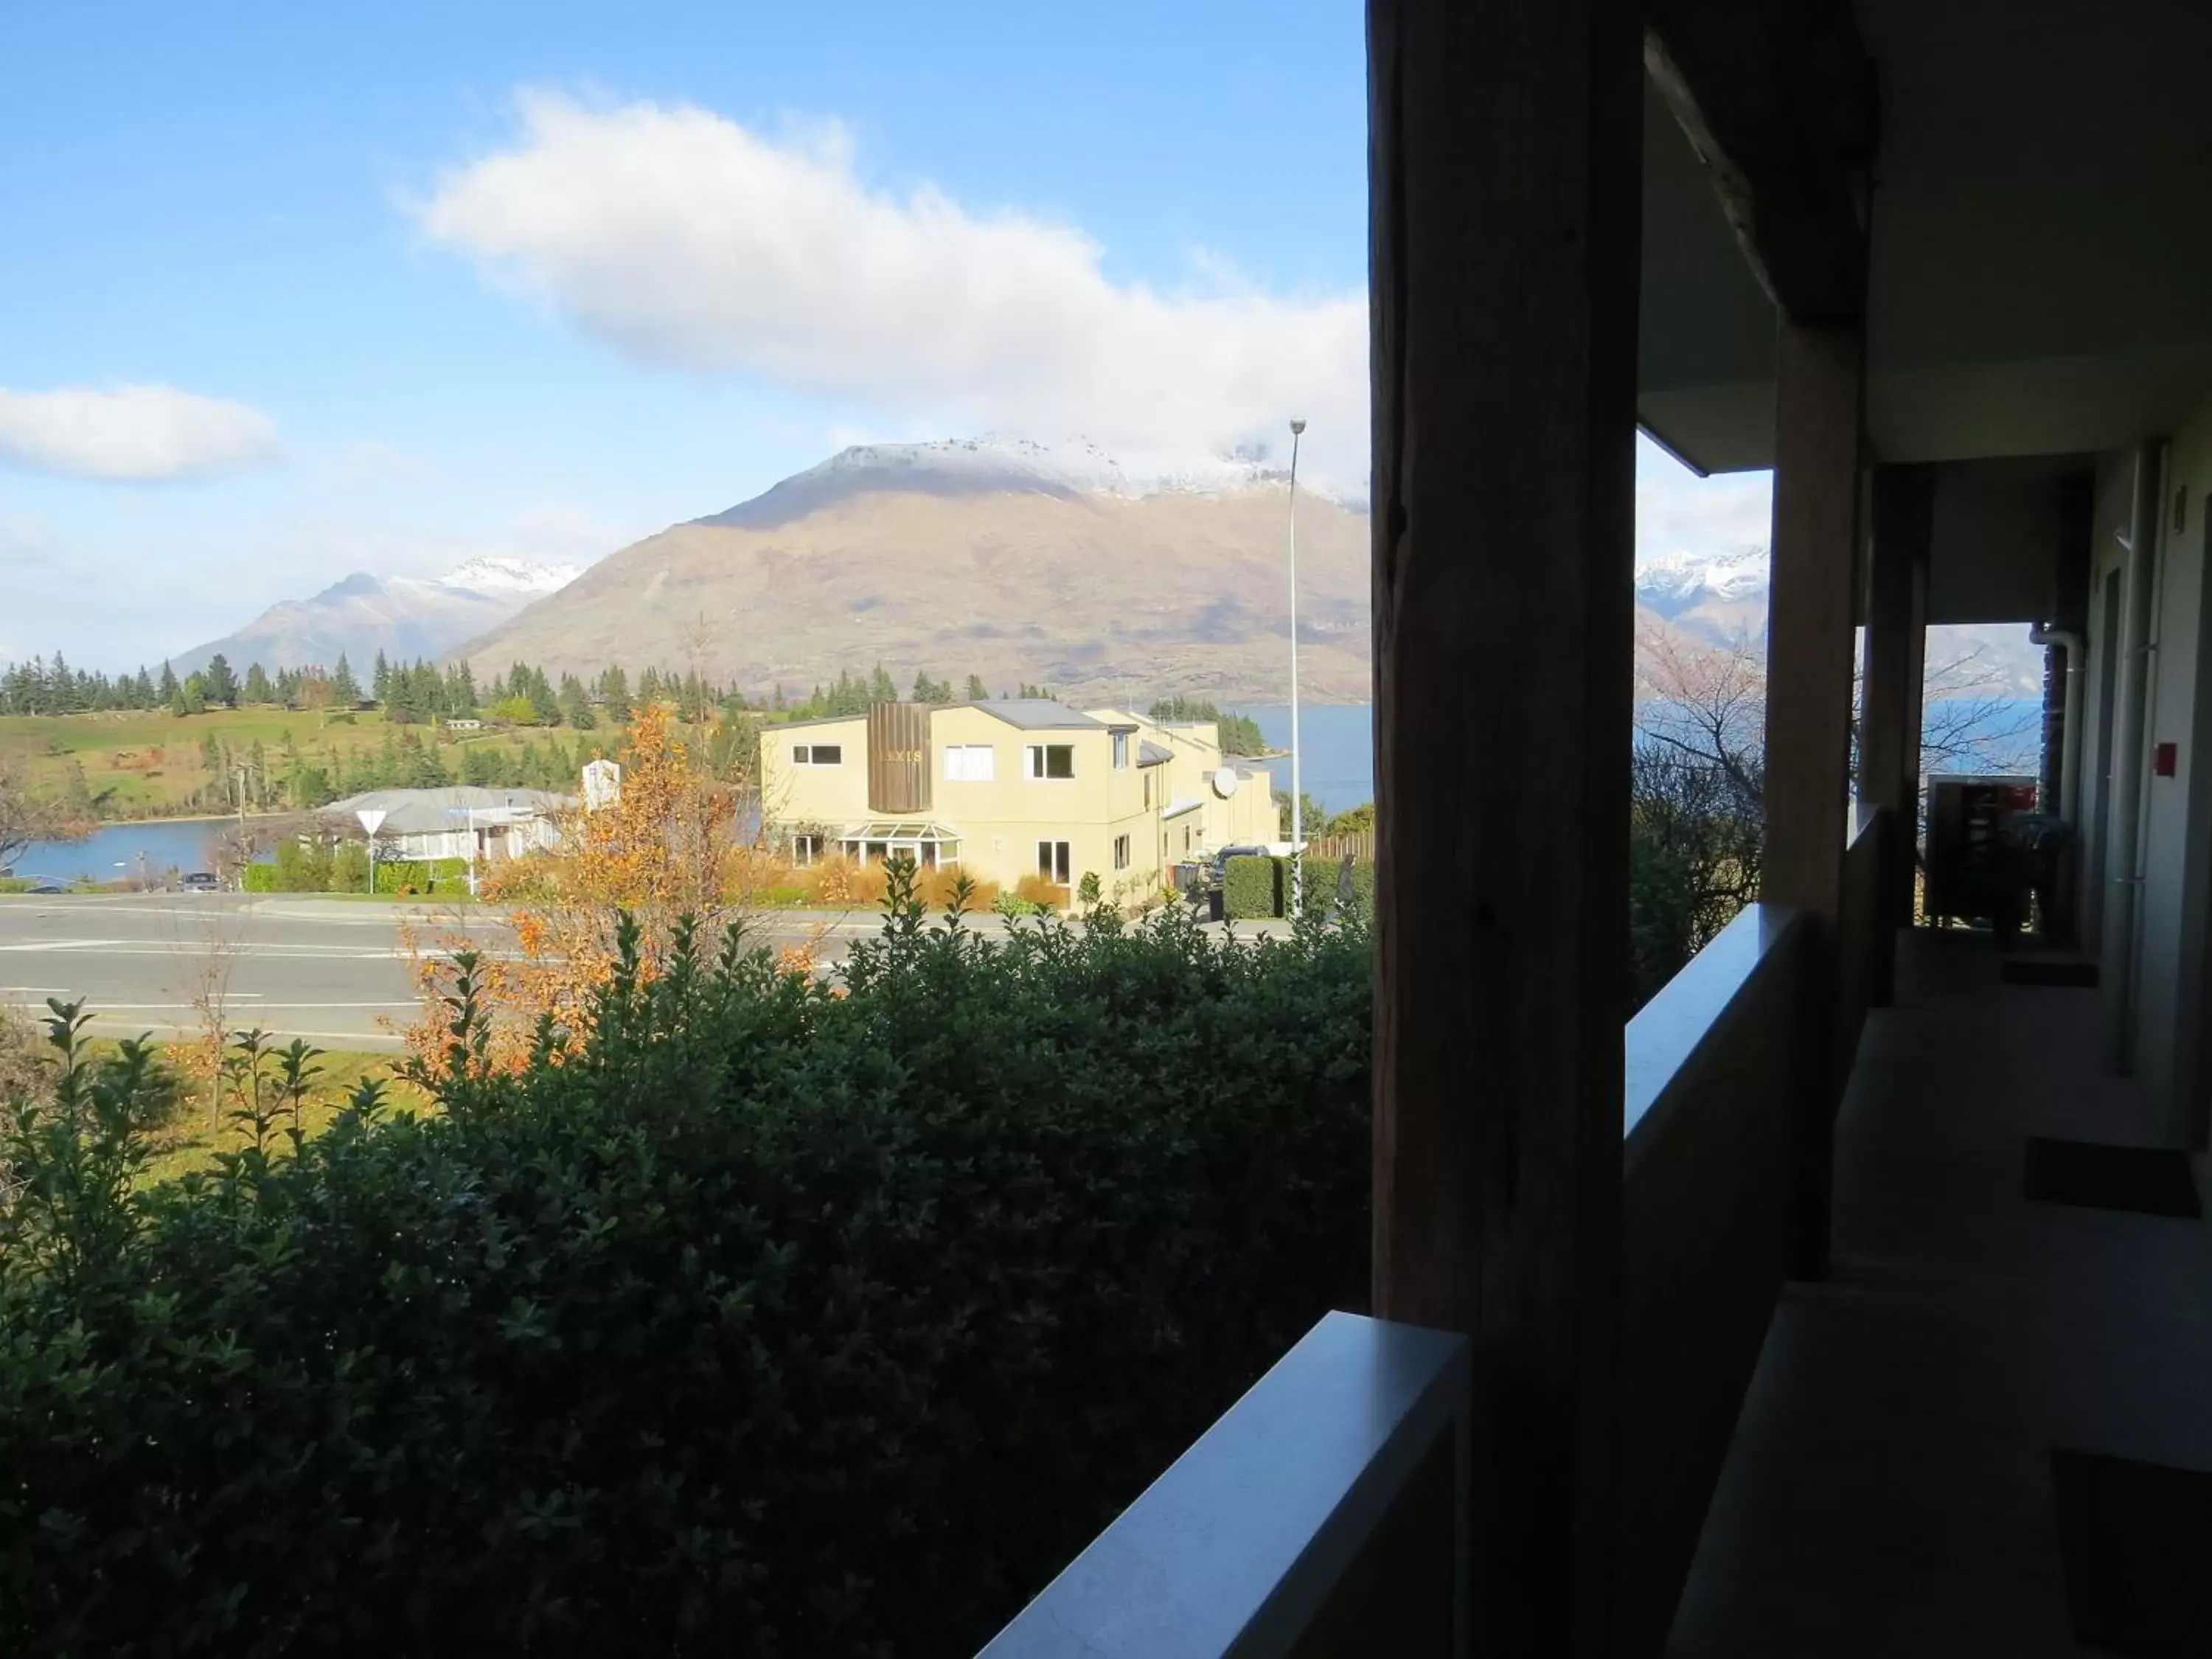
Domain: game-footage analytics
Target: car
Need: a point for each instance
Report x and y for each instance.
(201, 881)
(1220, 861)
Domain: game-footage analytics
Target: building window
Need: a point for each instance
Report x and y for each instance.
(1148, 788)
(1121, 852)
(1052, 860)
(805, 849)
(1120, 751)
(820, 754)
(1052, 760)
(801, 755)
(1186, 838)
(971, 763)
(874, 852)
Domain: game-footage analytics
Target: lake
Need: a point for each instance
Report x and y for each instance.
(114, 851)
(1339, 745)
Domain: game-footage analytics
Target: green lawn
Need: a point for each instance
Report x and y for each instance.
(192, 1139)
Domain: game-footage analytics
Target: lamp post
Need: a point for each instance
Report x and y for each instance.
(1298, 790)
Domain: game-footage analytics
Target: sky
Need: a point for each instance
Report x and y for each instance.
(291, 291)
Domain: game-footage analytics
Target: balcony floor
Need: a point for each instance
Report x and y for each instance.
(1890, 1487)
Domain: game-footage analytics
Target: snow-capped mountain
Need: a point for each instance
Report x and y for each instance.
(1682, 578)
(403, 617)
(997, 464)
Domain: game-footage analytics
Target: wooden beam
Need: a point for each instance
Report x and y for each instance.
(1779, 101)
(1504, 160)
(1889, 749)
(1819, 395)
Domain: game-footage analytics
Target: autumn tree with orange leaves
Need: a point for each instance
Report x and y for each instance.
(664, 849)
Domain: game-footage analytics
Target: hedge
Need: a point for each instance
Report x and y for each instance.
(300, 868)
(446, 877)
(1262, 886)
(790, 1319)
(1251, 887)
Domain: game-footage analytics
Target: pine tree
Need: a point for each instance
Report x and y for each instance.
(345, 691)
(976, 690)
(217, 683)
(258, 688)
(168, 691)
(880, 686)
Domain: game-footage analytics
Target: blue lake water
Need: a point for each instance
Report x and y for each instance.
(1339, 767)
(119, 851)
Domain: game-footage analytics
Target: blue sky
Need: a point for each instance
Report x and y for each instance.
(291, 292)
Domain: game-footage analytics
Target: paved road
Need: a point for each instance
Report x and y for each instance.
(333, 972)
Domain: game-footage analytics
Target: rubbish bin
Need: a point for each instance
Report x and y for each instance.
(1213, 904)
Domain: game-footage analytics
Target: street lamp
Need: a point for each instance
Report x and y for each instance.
(1298, 790)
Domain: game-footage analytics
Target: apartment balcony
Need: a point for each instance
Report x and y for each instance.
(1977, 1433)
(1971, 1436)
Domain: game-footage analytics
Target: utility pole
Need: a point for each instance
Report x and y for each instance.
(1297, 783)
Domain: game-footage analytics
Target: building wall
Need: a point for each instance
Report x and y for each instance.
(2170, 1006)
(1000, 821)
(2115, 497)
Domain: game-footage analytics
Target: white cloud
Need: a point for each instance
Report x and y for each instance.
(1679, 513)
(684, 238)
(136, 432)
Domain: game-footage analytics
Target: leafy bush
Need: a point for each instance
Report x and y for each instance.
(783, 1319)
(1252, 887)
(1045, 894)
(448, 877)
(349, 868)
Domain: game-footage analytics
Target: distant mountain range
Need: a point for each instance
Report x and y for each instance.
(404, 616)
(1019, 562)
(1720, 600)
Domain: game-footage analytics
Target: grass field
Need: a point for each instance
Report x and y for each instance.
(193, 1139)
(139, 765)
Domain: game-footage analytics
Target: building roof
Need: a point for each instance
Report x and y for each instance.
(815, 719)
(426, 811)
(1152, 754)
(1039, 714)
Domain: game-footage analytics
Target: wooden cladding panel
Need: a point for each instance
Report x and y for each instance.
(898, 757)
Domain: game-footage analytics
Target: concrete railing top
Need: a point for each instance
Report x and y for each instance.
(1682, 1027)
(1236, 1546)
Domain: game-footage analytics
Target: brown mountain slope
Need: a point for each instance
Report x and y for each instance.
(1103, 597)
(1098, 596)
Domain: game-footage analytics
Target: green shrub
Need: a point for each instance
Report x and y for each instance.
(349, 868)
(436, 877)
(1252, 887)
(786, 1320)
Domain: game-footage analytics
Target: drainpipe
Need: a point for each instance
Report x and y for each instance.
(2070, 743)
(2129, 737)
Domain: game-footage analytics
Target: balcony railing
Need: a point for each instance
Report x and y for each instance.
(1327, 1512)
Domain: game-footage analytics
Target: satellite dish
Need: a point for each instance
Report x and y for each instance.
(1225, 781)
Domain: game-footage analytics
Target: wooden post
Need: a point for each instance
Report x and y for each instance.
(1910, 761)
(1817, 418)
(1903, 499)
(1505, 142)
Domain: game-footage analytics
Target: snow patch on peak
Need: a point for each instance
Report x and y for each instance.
(1682, 574)
(997, 462)
(492, 575)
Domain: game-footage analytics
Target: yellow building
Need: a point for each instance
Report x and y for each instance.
(1014, 788)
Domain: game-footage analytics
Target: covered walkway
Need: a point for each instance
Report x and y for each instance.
(1892, 1486)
